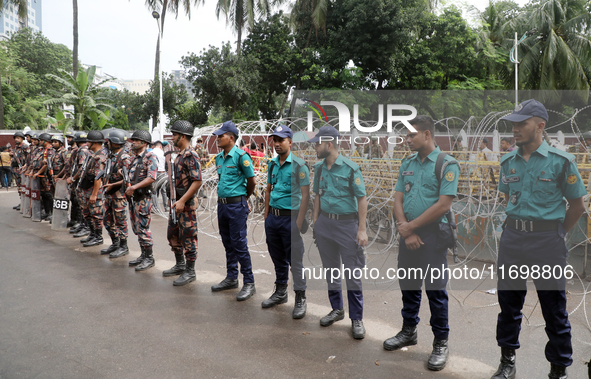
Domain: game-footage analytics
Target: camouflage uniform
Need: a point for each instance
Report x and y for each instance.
(202, 154)
(140, 213)
(59, 160)
(116, 203)
(83, 153)
(94, 212)
(375, 151)
(182, 236)
(46, 155)
(21, 153)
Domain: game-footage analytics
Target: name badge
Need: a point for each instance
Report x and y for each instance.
(408, 173)
(510, 179)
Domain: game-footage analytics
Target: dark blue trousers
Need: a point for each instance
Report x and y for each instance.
(232, 224)
(286, 249)
(336, 241)
(528, 249)
(430, 255)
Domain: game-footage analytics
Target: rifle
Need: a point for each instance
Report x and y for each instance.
(127, 184)
(172, 186)
(108, 172)
(50, 170)
(83, 172)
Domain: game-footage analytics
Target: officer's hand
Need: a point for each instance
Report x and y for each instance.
(299, 224)
(249, 209)
(361, 238)
(129, 191)
(179, 206)
(405, 230)
(92, 199)
(266, 215)
(69, 180)
(413, 242)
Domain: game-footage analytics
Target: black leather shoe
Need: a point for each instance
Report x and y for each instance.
(246, 292)
(82, 232)
(299, 308)
(226, 284)
(121, 250)
(557, 372)
(148, 261)
(357, 329)
(178, 268)
(406, 337)
(97, 239)
(187, 276)
(507, 367)
(89, 237)
(139, 259)
(332, 317)
(17, 207)
(279, 296)
(76, 228)
(114, 246)
(439, 355)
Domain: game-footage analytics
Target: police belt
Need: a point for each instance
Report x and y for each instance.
(229, 200)
(531, 226)
(348, 216)
(283, 212)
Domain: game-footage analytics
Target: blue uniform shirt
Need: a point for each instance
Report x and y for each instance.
(340, 186)
(233, 170)
(287, 181)
(537, 188)
(418, 182)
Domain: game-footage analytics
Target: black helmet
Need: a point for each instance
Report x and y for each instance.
(142, 135)
(29, 133)
(182, 127)
(95, 136)
(70, 134)
(19, 134)
(45, 137)
(34, 136)
(58, 138)
(117, 137)
(80, 137)
(586, 135)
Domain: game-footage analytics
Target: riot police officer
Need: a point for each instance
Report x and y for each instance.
(182, 229)
(286, 203)
(21, 151)
(115, 218)
(46, 154)
(144, 169)
(423, 197)
(340, 210)
(538, 180)
(236, 184)
(81, 156)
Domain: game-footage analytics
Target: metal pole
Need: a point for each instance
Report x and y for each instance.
(516, 72)
(160, 79)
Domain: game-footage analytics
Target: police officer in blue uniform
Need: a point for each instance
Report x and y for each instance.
(236, 184)
(538, 180)
(340, 210)
(286, 202)
(421, 201)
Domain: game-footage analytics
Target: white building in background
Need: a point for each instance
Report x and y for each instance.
(10, 23)
(139, 86)
(100, 75)
(179, 78)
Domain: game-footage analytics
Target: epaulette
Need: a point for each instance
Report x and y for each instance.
(354, 166)
(318, 164)
(300, 162)
(561, 153)
(508, 155)
(409, 157)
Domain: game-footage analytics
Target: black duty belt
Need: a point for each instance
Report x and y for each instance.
(283, 212)
(348, 216)
(229, 200)
(531, 226)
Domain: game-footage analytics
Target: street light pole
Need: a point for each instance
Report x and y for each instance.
(160, 129)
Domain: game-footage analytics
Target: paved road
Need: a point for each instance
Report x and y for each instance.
(68, 312)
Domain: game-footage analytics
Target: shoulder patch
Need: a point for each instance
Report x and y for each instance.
(246, 163)
(358, 181)
(572, 179)
(450, 176)
(302, 175)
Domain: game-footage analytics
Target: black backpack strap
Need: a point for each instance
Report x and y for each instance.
(562, 175)
(440, 167)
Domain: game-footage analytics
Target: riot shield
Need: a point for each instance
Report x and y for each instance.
(61, 206)
(27, 194)
(36, 199)
(21, 190)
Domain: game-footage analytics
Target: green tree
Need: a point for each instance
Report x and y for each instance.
(83, 94)
(174, 95)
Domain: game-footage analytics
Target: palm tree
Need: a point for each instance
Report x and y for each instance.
(240, 13)
(83, 94)
(558, 53)
(23, 12)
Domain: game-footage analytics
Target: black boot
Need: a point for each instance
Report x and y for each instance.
(406, 337)
(84, 231)
(332, 317)
(247, 291)
(96, 240)
(507, 367)
(90, 235)
(178, 268)
(139, 259)
(114, 246)
(188, 275)
(226, 284)
(148, 261)
(76, 228)
(557, 372)
(279, 296)
(439, 355)
(121, 250)
(299, 309)
(357, 329)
